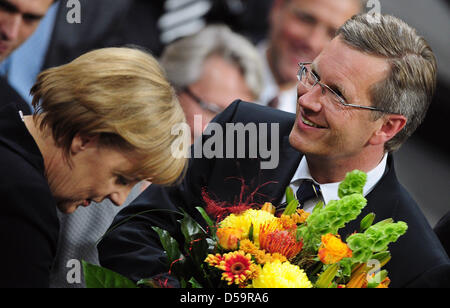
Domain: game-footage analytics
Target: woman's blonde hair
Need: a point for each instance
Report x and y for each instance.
(121, 95)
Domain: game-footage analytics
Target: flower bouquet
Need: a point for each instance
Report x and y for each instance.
(248, 246)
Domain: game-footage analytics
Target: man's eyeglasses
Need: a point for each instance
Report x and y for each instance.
(206, 106)
(309, 80)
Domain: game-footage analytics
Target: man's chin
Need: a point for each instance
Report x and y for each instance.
(294, 140)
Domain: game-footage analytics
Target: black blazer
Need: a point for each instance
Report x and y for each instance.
(29, 224)
(133, 249)
(442, 230)
(104, 25)
(8, 95)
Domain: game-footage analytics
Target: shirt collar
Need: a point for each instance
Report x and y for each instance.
(330, 190)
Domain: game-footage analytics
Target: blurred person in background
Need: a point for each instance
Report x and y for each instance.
(18, 20)
(210, 70)
(299, 30)
(82, 144)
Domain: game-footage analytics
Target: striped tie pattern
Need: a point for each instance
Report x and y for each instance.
(307, 190)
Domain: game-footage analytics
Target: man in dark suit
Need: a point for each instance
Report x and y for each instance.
(358, 102)
(18, 20)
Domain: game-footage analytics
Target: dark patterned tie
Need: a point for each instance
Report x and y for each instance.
(306, 191)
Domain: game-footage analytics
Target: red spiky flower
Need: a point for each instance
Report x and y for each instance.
(279, 241)
(221, 209)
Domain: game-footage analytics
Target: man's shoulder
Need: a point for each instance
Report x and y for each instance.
(9, 95)
(244, 112)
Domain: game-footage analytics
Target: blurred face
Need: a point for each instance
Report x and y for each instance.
(331, 130)
(220, 84)
(300, 29)
(18, 20)
(97, 173)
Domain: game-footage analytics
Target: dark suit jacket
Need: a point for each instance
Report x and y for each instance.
(8, 95)
(442, 230)
(28, 223)
(133, 249)
(104, 25)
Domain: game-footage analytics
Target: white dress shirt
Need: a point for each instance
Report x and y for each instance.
(329, 191)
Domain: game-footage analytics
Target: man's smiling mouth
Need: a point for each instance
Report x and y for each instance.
(309, 123)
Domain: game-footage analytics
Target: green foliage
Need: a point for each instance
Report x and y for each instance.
(330, 219)
(169, 244)
(291, 208)
(100, 277)
(289, 195)
(353, 183)
(367, 221)
(375, 239)
(326, 278)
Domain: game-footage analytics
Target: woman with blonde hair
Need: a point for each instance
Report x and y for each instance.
(102, 124)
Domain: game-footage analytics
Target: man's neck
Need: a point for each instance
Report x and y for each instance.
(326, 170)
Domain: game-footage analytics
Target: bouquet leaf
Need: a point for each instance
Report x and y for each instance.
(205, 216)
(291, 207)
(326, 278)
(367, 221)
(289, 195)
(100, 277)
(169, 244)
(195, 284)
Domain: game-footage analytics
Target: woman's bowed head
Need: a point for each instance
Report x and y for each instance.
(103, 123)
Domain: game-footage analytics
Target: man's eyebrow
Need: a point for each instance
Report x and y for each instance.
(11, 8)
(8, 6)
(331, 85)
(303, 15)
(31, 16)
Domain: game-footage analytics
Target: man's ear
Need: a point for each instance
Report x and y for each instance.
(392, 124)
(83, 142)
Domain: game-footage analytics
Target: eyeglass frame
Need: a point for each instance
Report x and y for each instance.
(302, 67)
(204, 105)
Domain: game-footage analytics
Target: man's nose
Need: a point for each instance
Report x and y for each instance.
(310, 99)
(11, 26)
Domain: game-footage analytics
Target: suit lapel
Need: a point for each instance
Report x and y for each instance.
(288, 164)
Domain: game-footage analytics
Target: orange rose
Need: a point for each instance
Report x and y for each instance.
(229, 237)
(333, 249)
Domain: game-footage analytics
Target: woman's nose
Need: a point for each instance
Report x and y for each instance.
(119, 196)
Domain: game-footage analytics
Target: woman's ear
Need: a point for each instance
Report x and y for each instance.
(82, 142)
(392, 124)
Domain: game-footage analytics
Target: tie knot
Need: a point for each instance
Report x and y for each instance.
(306, 191)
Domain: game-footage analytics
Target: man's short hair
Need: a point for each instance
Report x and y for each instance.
(410, 86)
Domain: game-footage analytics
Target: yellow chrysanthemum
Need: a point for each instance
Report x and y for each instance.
(244, 220)
(281, 275)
